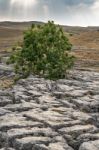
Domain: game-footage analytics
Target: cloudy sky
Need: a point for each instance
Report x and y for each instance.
(69, 12)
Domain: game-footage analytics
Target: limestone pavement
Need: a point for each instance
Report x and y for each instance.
(39, 114)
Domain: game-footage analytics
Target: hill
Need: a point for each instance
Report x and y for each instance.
(85, 41)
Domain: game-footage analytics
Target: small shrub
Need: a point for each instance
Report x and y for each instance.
(45, 51)
(71, 34)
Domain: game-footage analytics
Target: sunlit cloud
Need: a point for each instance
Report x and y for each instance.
(69, 12)
(23, 4)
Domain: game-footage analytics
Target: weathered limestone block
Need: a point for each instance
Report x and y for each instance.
(78, 129)
(15, 121)
(27, 143)
(91, 145)
(59, 146)
(21, 107)
(3, 111)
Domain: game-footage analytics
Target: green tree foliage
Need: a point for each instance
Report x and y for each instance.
(45, 51)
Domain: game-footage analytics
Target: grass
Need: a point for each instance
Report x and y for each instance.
(6, 83)
(9, 37)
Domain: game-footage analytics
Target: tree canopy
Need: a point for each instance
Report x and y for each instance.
(45, 51)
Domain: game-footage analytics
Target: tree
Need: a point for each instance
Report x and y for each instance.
(45, 51)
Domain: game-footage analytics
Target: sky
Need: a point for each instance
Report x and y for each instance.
(67, 12)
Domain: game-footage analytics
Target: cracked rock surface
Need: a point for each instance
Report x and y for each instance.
(39, 114)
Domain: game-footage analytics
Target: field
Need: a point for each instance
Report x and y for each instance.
(85, 42)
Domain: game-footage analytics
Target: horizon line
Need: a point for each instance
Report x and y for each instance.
(39, 21)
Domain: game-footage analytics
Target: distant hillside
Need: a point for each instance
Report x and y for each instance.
(18, 25)
(85, 40)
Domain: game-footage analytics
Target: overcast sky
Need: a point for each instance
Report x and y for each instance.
(69, 12)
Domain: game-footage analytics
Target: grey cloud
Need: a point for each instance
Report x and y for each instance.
(72, 12)
(66, 2)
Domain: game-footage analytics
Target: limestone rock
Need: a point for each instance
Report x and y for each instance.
(39, 114)
(92, 145)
